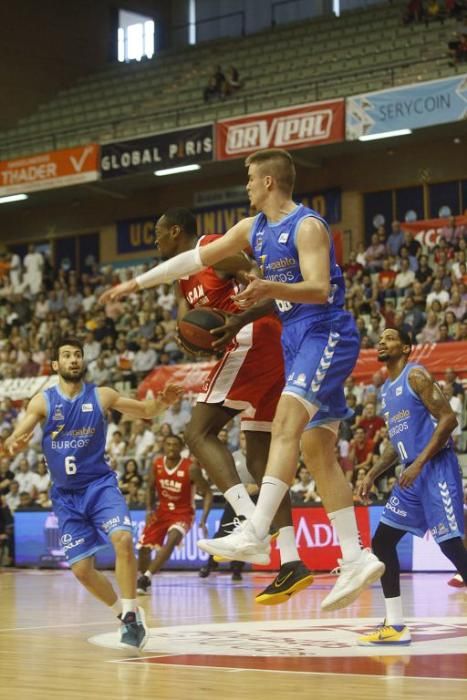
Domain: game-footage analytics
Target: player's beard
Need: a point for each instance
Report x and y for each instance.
(382, 357)
(73, 378)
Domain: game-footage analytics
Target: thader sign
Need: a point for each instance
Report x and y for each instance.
(156, 152)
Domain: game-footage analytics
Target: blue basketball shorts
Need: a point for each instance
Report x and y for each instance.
(87, 517)
(434, 501)
(319, 356)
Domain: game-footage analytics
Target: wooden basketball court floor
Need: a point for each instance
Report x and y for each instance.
(209, 639)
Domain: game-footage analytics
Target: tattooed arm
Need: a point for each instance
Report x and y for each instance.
(436, 403)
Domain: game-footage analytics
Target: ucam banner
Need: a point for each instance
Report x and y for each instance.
(410, 107)
(134, 235)
(45, 171)
(297, 127)
(171, 149)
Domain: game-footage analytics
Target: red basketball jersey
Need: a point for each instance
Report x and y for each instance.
(173, 486)
(206, 288)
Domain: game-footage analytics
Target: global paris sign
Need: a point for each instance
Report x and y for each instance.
(297, 127)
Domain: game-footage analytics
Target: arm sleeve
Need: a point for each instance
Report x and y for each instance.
(182, 265)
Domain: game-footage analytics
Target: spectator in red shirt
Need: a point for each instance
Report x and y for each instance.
(352, 268)
(361, 448)
(369, 421)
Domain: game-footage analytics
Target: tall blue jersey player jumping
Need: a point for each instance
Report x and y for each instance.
(293, 247)
(86, 499)
(429, 493)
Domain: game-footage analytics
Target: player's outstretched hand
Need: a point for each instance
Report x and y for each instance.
(409, 475)
(121, 290)
(171, 394)
(257, 290)
(224, 334)
(13, 445)
(363, 489)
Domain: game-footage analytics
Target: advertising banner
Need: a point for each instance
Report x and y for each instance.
(409, 107)
(37, 542)
(45, 171)
(168, 150)
(297, 127)
(429, 231)
(436, 357)
(134, 235)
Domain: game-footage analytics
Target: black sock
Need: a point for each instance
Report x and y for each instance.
(455, 551)
(385, 547)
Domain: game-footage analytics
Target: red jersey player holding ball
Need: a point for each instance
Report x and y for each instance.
(173, 481)
(249, 378)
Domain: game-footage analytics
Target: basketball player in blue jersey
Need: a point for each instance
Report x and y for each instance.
(86, 499)
(429, 492)
(293, 246)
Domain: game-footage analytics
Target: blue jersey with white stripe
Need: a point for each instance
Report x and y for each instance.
(274, 248)
(409, 422)
(74, 437)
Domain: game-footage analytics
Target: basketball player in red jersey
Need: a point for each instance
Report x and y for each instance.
(249, 378)
(174, 480)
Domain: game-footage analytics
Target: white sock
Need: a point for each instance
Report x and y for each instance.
(394, 614)
(117, 607)
(148, 574)
(287, 545)
(345, 524)
(270, 497)
(128, 605)
(240, 500)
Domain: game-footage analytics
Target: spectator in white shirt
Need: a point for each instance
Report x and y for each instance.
(89, 298)
(34, 266)
(91, 347)
(166, 298)
(145, 358)
(177, 416)
(98, 372)
(404, 278)
(42, 307)
(43, 477)
(437, 293)
(142, 439)
(15, 273)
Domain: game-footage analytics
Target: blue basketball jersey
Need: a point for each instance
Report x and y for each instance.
(275, 251)
(74, 437)
(409, 422)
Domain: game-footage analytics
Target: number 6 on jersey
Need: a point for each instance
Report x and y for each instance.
(70, 465)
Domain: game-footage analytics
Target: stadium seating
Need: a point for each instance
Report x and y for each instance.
(323, 58)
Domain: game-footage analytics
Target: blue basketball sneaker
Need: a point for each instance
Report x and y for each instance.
(133, 631)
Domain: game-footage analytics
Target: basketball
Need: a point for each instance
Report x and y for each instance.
(194, 329)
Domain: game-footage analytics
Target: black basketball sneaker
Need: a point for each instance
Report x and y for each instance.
(292, 578)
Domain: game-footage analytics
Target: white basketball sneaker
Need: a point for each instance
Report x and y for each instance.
(354, 577)
(241, 545)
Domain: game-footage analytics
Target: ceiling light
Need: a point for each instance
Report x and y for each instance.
(179, 169)
(385, 135)
(13, 198)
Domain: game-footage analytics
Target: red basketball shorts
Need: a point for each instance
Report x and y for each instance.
(250, 375)
(161, 523)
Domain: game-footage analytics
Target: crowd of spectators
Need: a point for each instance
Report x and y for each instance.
(394, 280)
(397, 281)
(433, 10)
